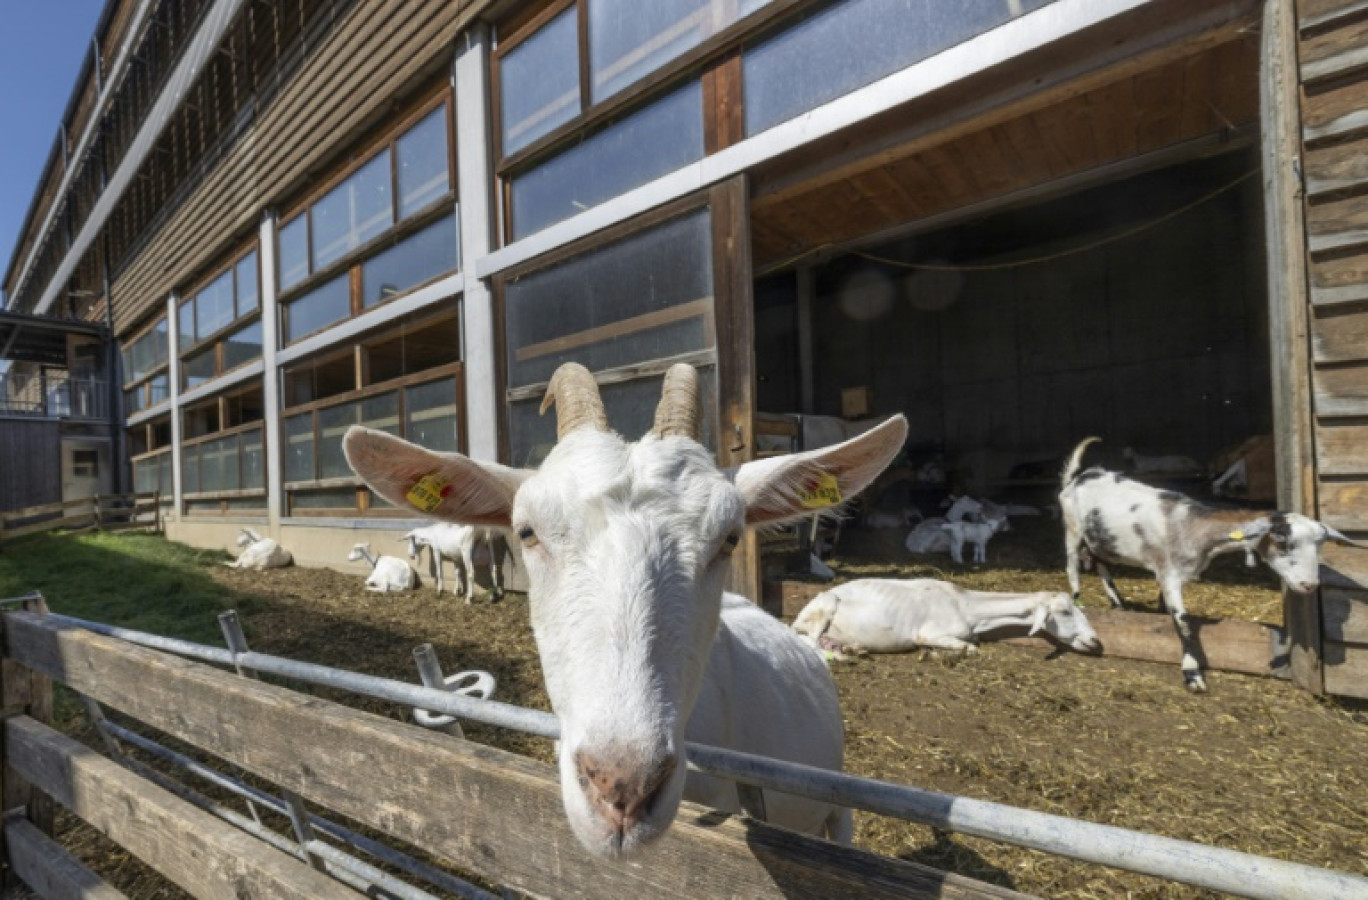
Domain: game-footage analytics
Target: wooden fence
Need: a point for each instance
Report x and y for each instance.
(495, 815)
(102, 512)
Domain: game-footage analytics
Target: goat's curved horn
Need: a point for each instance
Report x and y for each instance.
(677, 412)
(1340, 538)
(577, 400)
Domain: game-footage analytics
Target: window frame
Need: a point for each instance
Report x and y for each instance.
(144, 383)
(219, 338)
(259, 425)
(351, 262)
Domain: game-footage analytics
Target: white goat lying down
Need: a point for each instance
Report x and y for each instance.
(890, 616)
(388, 573)
(259, 552)
(458, 543)
(627, 546)
(1111, 519)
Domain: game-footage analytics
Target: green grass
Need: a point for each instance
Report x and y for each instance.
(140, 581)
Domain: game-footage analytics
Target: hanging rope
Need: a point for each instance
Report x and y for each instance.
(1036, 260)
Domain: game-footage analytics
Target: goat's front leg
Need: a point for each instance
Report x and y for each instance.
(948, 642)
(498, 552)
(1192, 665)
(436, 569)
(1071, 541)
(981, 552)
(1112, 593)
(468, 559)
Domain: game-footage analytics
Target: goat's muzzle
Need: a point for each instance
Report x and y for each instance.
(620, 793)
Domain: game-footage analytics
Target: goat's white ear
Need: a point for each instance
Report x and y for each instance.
(1042, 615)
(449, 486)
(1339, 537)
(787, 488)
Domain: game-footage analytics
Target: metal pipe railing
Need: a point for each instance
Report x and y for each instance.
(1213, 868)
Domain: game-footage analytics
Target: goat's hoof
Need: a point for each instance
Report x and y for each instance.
(1195, 682)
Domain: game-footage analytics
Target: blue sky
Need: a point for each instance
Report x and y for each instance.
(42, 46)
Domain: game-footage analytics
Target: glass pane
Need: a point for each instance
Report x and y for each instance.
(431, 415)
(245, 503)
(164, 478)
(646, 297)
(199, 368)
(631, 412)
(851, 44)
(253, 461)
(247, 283)
(187, 325)
(242, 346)
(422, 163)
(158, 389)
(332, 498)
(418, 258)
(413, 349)
(352, 213)
(293, 244)
(299, 448)
(219, 465)
(629, 39)
(333, 423)
(160, 343)
(133, 400)
(381, 413)
(145, 475)
(190, 480)
(214, 306)
(664, 136)
(539, 83)
(321, 307)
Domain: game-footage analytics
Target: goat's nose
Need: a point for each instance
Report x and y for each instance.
(620, 791)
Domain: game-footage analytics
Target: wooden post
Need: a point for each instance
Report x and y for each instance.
(735, 317)
(1288, 312)
(23, 692)
(98, 519)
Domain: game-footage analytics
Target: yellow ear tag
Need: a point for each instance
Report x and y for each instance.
(1237, 535)
(821, 492)
(428, 492)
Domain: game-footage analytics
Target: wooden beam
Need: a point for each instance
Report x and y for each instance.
(201, 854)
(45, 866)
(494, 813)
(23, 690)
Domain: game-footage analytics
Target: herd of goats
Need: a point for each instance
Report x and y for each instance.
(626, 546)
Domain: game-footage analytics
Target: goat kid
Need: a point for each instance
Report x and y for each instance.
(388, 573)
(976, 533)
(1112, 519)
(626, 547)
(259, 552)
(458, 543)
(879, 615)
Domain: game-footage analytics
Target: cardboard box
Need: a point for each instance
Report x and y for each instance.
(856, 402)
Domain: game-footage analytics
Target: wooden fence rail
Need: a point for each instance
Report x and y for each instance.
(494, 814)
(103, 512)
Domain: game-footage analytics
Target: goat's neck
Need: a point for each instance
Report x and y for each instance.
(1210, 530)
(369, 557)
(988, 612)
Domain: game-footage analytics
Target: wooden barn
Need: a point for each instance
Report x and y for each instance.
(1019, 222)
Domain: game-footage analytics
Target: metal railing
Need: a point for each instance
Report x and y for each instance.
(1242, 874)
(54, 394)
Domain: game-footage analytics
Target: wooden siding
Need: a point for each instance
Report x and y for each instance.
(1333, 59)
(381, 52)
(40, 481)
(1205, 92)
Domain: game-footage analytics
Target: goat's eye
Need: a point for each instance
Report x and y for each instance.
(528, 536)
(729, 544)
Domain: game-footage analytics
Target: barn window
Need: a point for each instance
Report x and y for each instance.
(223, 461)
(149, 448)
(145, 368)
(406, 381)
(219, 323)
(379, 229)
(625, 310)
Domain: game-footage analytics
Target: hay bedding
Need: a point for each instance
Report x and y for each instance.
(1256, 765)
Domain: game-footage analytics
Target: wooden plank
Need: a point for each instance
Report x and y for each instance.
(29, 692)
(1339, 336)
(1335, 111)
(1338, 278)
(1337, 222)
(1319, 14)
(495, 813)
(48, 869)
(1346, 670)
(1344, 567)
(1342, 391)
(1345, 614)
(1334, 53)
(1344, 504)
(201, 854)
(29, 512)
(1342, 449)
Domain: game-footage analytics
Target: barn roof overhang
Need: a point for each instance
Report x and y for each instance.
(41, 339)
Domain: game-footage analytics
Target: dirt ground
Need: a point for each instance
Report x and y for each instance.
(1255, 765)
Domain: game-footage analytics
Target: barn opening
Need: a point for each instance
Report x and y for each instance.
(1082, 269)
